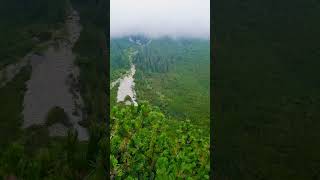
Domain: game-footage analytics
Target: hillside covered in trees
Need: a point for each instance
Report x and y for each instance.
(175, 76)
(166, 136)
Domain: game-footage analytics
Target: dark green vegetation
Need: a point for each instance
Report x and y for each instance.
(266, 89)
(31, 153)
(113, 96)
(90, 58)
(165, 69)
(156, 141)
(119, 61)
(119, 49)
(127, 98)
(145, 144)
(24, 24)
(58, 115)
(11, 98)
(61, 159)
(174, 75)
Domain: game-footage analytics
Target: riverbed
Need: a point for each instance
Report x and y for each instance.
(126, 88)
(50, 84)
(126, 84)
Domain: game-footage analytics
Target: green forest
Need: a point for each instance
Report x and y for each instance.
(144, 145)
(266, 89)
(119, 62)
(168, 68)
(31, 153)
(166, 136)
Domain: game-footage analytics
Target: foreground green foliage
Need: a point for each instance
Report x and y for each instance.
(146, 144)
(61, 159)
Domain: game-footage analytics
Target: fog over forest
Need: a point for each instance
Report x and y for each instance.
(157, 18)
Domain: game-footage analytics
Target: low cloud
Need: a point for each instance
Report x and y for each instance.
(157, 18)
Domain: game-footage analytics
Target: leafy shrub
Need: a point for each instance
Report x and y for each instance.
(58, 115)
(44, 36)
(127, 98)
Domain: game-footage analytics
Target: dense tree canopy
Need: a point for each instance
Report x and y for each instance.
(145, 145)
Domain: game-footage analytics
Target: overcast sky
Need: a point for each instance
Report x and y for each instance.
(156, 18)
